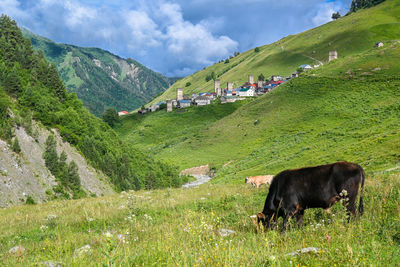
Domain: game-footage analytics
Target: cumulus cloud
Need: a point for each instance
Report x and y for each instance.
(175, 37)
(325, 11)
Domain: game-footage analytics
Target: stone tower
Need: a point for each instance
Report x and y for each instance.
(251, 79)
(229, 85)
(332, 55)
(217, 88)
(169, 105)
(179, 94)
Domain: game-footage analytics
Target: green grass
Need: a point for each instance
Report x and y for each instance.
(180, 227)
(158, 131)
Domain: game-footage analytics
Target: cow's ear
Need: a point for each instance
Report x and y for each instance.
(261, 216)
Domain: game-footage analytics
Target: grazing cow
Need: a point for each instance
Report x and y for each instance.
(293, 191)
(259, 180)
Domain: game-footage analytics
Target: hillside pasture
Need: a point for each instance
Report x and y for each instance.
(184, 227)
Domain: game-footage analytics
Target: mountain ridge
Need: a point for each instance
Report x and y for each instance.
(99, 78)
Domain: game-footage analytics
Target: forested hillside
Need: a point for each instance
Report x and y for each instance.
(346, 109)
(100, 79)
(30, 88)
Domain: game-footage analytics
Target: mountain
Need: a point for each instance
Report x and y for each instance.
(52, 146)
(346, 109)
(100, 79)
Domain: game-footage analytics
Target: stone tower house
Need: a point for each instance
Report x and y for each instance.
(169, 105)
(217, 87)
(229, 85)
(332, 55)
(179, 94)
(251, 79)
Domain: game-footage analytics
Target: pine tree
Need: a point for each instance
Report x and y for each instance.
(74, 181)
(62, 172)
(111, 116)
(50, 154)
(11, 82)
(16, 147)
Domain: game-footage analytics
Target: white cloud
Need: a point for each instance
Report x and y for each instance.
(77, 14)
(12, 8)
(325, 10)
(143, 30)
(175, 37)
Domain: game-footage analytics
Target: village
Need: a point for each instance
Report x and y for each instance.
(229, 94)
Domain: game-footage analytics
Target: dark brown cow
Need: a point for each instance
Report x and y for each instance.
(293, 191)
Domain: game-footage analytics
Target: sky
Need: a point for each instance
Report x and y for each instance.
(174, 37)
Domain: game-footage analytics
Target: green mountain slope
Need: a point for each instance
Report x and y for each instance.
(101, 79)
(349, 35)
(30, 88)
(345, 110)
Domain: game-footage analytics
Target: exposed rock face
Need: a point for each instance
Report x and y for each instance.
(200, 170)
(25, 174)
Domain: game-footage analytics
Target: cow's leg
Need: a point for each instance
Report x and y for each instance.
(285, 221)
(350, 204)
(299, 217)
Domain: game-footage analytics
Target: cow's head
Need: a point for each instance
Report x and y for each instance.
(265, 219)
(245, 180)
(262, 218)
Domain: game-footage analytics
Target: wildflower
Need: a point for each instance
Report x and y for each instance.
(148, 217)
(108, 234)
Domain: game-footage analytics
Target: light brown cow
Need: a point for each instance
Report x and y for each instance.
(259, 180)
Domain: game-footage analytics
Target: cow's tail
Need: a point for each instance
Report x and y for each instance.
(361, 205)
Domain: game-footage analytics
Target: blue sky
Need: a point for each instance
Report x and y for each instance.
(174, 37)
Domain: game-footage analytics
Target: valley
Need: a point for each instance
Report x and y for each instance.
(131, 206)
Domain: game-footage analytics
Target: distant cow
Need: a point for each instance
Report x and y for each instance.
(259, 180)
(293, 191)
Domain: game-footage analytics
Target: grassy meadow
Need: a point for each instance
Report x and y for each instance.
(181, 227)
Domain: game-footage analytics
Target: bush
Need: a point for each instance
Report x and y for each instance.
(30, 201)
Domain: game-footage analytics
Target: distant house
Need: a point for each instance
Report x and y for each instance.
(211, 96)
(276, 78)
(379, 44)
(154, 108)
(142, 111)
(202, 101)
(184, 103)
(306, 67)
(295, 74)
(122, 113)
(194, 96)
(249, 91)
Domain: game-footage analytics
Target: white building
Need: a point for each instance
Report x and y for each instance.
(202, 101)
(250, 91)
